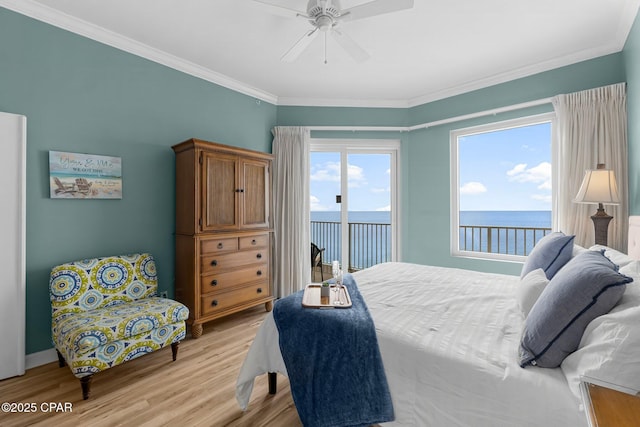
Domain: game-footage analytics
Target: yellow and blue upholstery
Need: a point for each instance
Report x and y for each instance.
(105, 312)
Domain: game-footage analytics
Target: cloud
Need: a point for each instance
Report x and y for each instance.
(330, 171)
(379, 190)
(529, 148)
(542, 197)
(356, 176)
(540, 174)
(315, 205)
(545, 185)
(473, 188)
(384, 208)
(517, 169)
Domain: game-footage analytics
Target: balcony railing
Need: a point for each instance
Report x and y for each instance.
(370, 243)
(500, 239)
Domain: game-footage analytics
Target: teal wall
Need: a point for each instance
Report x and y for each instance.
(341, 116)
(632, 70)
(82, 96)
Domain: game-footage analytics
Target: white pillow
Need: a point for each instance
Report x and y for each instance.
(577, 249)
(617, 257)
(632, 269)
(609, 347)
(530, 288)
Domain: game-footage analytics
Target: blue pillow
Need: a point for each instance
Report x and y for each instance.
(588, 286)
(550, 254)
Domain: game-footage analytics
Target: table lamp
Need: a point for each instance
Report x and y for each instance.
(599, 186)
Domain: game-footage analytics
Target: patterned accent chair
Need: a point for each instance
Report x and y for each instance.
(105, 311)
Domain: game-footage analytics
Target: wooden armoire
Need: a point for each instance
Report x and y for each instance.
(223, 230)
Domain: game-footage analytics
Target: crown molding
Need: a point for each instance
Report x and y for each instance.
(324, 102)
(67, 22)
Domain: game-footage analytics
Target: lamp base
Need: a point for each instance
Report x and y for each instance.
(601, 223)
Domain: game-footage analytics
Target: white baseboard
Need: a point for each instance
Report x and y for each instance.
(40, 358)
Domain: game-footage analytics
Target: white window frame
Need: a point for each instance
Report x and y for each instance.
(366, 146)
(455, 184)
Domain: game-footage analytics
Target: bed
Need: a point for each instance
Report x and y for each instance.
(451, 341)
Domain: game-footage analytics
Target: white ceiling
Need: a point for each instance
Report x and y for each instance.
(438, 48)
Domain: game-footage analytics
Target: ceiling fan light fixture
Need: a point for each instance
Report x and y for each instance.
(324, 23)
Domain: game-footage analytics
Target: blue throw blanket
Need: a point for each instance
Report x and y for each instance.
(333, 362)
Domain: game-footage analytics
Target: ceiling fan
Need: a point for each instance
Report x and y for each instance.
(325, 16)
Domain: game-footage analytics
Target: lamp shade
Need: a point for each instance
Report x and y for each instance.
(598, 186)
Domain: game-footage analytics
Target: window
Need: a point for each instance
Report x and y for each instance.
(502, 188)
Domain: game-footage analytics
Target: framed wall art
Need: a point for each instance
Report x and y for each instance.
(84, 176)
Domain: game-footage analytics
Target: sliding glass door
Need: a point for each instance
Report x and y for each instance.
(353, 202)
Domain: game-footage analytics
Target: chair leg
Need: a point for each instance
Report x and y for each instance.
(174, 350)
(273, 382)
(61, 361)
(85, 383)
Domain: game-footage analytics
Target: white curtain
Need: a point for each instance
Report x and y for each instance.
(292, 247)
(591, 129)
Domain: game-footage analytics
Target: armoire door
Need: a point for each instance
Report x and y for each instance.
(219, 197)
(12, 251)
(254, 196)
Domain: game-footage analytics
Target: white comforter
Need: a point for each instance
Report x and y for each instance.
(449, 340)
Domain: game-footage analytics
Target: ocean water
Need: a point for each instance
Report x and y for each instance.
(371, 244)
(507, 218)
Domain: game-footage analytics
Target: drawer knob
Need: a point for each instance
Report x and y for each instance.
(259, 290)
(214, 263)
(214, 282)
(214, 302)
(259, 256)
(259, 272)
(220, 245)
(253, 242)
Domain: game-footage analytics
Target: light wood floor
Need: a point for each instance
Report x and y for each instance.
(196, 390)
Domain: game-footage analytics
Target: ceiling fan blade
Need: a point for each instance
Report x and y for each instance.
(295, 51)
(349, 45)
(373, 8)
(280, 10)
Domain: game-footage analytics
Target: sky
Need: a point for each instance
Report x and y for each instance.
(506, 170)
(369, 181)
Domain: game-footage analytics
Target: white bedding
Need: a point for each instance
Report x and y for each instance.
(450, 352)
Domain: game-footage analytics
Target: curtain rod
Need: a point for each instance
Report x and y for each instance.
(493, 111)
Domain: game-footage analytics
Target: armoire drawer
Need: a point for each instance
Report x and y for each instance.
(211, 246)
(214, 263)
(231, 279)
(221, 301)
(258, 241)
